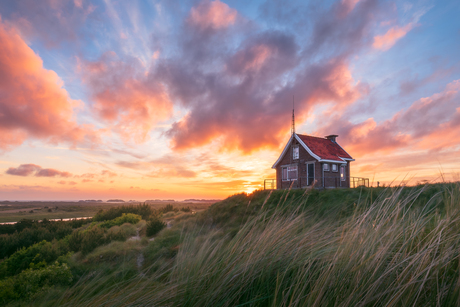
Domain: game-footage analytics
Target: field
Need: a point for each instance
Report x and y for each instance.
(38, 210)
(396, 246)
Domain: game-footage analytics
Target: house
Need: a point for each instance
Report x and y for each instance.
(308, 160)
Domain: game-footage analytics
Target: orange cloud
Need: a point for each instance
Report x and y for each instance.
(33, 102)
(212, 15)
(387, 40)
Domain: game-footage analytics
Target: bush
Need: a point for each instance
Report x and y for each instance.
(30, 282)
(166, 209)
(154, 226)
(124, 218)
(37, 254)
(185, 209)
(92, 237)
(144, 210)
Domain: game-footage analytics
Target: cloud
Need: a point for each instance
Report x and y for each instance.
(53, 22)
(108, 173)
(29, 169)
(238, 92)
(23, 170)
(33, 102)
(49, 172)
(430, 123)
(387, 40)
(212, 15)
(126, 97)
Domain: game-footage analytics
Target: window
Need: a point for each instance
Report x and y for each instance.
(295, 152)
(292, 172)
(334, 168)
(342, 172)
(289, 173)
(326, 167)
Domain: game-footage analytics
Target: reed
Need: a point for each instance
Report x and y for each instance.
(390, 251)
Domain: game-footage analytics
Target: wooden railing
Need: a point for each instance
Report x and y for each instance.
(358, 182)
(269, 184)
(318, 182)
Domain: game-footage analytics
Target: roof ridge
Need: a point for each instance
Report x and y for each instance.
(312, 136)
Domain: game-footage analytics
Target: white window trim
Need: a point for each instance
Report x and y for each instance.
(336, 168)
(287, 172)
(326, 167)
(344, 178)
(298, 152)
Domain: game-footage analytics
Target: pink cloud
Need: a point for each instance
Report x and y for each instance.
(126, 98)
(33, 102)
(212, 15)
(23, 170)
(430, 123)
(49, 172)
(387, 40)
(29, 169)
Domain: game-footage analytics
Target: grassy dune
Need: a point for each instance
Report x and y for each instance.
(360, 247)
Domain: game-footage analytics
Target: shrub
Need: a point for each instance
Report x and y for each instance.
(30, 282)
(144, 210)
(124, 218)
(43, 252)
(92, 237)
(167, 208)
(154, 226)
(185, 209)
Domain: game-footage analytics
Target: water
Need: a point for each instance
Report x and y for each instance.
(54, 220)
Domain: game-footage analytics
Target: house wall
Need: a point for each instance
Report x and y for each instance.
(331, 180)
(304, 156)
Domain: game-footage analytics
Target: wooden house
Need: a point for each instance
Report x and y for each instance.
(308, 160)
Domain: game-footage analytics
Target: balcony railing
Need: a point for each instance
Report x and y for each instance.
(318, 182)
(358, 182)
(269, 184)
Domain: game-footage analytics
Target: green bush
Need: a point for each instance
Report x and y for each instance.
(154, 226)
(39, 253)
(30, 282)
(144, 210)
(92, 237)
(124, 218)
(185, 209)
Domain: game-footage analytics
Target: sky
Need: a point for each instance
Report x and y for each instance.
(193, 99)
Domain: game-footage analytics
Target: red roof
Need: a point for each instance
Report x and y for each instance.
(324, 148)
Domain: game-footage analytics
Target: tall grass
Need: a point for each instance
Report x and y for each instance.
(388, 251)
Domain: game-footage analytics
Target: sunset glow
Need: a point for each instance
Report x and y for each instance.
(193, 99)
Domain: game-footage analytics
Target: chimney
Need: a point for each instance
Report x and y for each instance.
(332, 137)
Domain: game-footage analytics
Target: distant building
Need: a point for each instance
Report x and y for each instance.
(308, 160)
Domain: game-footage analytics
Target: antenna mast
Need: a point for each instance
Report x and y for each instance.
(293, 118)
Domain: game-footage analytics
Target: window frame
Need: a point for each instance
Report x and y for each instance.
(288, 172)
(295, 150)
(343, 170)
(326, 167)
(336, 168)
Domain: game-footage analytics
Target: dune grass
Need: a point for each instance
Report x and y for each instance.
(370, 247)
